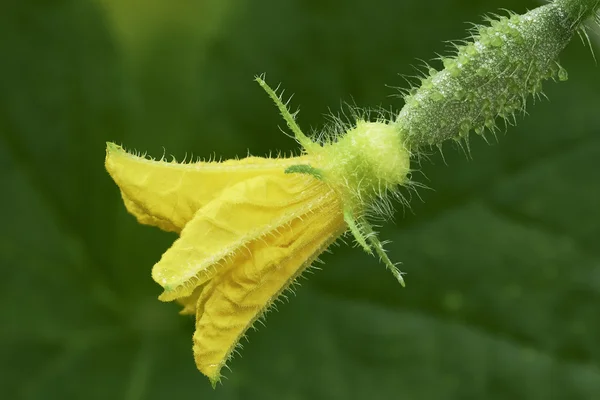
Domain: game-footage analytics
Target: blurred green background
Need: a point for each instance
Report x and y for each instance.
(503, 258)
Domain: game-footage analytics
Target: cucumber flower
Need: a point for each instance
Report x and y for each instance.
(248, 228)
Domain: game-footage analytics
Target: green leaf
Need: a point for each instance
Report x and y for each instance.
(502, 258)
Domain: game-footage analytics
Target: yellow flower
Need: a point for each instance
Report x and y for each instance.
(247, 228)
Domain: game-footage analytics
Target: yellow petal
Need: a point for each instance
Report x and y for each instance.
(168, 194)
(241, 214)
(232, 301)
(189, 302)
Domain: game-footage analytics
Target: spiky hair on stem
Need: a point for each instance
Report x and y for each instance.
(491, 76)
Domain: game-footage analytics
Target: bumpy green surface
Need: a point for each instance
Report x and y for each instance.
(502, 258)
(490, 77)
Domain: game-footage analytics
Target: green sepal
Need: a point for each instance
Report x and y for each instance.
(304, 169)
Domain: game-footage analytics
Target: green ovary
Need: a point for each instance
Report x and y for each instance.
(488, 78)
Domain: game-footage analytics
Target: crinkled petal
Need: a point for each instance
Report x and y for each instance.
(244, 212)
(168, 194)
(232, 300)
(189, 302)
